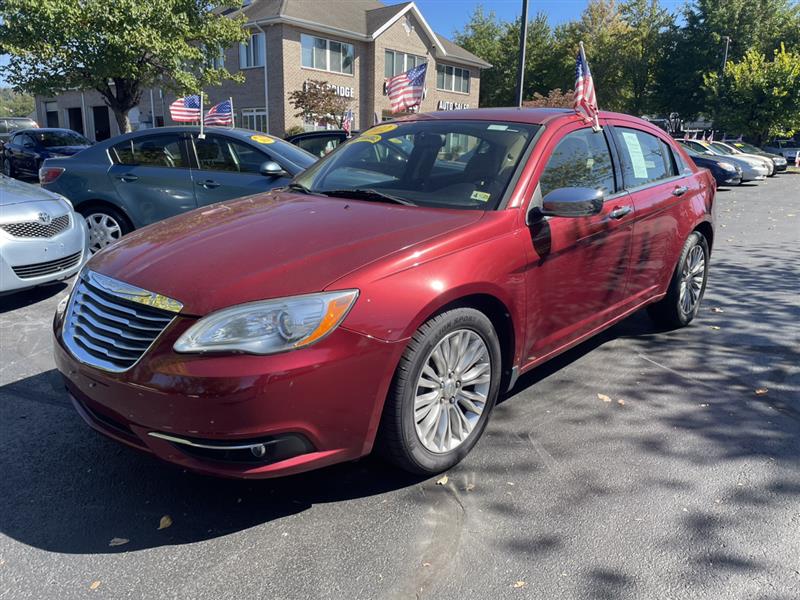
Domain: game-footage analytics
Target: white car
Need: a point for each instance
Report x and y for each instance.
(728, 150)
(41, 238)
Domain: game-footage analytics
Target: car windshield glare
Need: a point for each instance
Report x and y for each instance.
(434, 163)
(50, 139)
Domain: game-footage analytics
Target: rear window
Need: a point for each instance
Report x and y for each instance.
(51, 139)
(17, 124)
(645, 157)
(164, 150)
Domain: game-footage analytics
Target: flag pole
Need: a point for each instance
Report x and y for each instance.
(202, 135)
(523, 38)
(233, 115)
(596, 126)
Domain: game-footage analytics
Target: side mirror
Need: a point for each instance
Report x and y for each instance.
(572, 202)
(272, 169)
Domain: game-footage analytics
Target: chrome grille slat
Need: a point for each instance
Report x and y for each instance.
(110, 331)
(35, 229)
(47, 268)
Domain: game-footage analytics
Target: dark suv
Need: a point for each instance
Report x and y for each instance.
(9, 125)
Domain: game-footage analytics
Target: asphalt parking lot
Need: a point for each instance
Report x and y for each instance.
(642, 464)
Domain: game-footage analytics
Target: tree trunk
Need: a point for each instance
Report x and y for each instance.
(123, 121)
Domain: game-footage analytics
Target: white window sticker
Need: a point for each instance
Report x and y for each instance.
(495, 127)
(636, 155)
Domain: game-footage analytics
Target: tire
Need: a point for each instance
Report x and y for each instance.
(400, 437)
(672, 311)
(8, 169)
(106, 225)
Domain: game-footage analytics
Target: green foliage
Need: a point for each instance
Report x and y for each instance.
(119, 48)
(756, 96)
(14, 104)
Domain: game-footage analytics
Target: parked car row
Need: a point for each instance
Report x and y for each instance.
(731, 164)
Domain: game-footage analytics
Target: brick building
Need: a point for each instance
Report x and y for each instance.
(354, 45)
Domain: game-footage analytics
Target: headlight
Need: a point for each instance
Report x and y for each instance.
(269, 326)
(727, 166)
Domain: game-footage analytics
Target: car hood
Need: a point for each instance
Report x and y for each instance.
(65, 150)
(268, 246)
(17, 192)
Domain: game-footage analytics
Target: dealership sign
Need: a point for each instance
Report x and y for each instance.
(447, 105)
(340, 90)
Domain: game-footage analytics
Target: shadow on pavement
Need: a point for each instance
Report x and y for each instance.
(17, 300)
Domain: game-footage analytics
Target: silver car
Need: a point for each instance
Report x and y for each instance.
(41, 238)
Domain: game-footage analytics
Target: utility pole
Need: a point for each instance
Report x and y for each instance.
(727, 39)
(523, 38)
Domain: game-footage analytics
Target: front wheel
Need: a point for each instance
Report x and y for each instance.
(688, 284)
(8, 169)
(444, 388)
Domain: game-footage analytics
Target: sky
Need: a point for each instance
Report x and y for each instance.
(448, 16)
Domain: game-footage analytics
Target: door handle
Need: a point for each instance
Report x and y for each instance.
(619, 212)
(209, 184)
(128, 177)
(680, 190)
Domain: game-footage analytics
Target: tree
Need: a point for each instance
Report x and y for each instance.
(757, 97)
(553, 99)
(118, 48)
(318, 101)
(13, 104)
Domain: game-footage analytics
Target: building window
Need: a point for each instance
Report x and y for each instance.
(254, 118)
(326, 55)
(252, 53)
(218, 61)
(395, 63)
(452, 79)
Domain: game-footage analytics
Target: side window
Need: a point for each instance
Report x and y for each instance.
(319, 145)
(216, 153)
(581, 159)
(163, 150)
(3, 126)
(675, 163)
(645, 158)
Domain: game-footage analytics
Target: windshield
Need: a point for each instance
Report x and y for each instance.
(437, 163)
(49, 139)
(721, 149)
(747, 147)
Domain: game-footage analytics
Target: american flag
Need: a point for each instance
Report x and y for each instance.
(585, 99)
(185, 110)
(405, 90)
(219, 114)
(347, 121)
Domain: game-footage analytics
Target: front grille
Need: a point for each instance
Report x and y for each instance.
(108, 331)
(47, 268)
(35, 229)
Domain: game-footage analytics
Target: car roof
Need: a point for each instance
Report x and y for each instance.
(534, 116)
(237, 132)
(46, 129)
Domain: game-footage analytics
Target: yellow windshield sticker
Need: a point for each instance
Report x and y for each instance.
(381, 129)
(480, 196)
(262, 139)
(372, 139)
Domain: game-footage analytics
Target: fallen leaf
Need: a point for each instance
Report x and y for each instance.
(509, 483)
(621, 402)
(470, 487)
(716, 309)
(519, 584)
(118, 541)
(604, 398)
(426, 564)
(94, 585)
(442, 481)
(715, 327)
(761, 391)
(166, 521)
(704, 405)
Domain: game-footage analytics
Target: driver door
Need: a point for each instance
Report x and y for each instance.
(226, 168)
(578, 267)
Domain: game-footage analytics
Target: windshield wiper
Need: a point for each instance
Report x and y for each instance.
(367, 194)
(298, 187)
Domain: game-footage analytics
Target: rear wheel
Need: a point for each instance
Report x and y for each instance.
(8, 169)
(688, 284)
(106, 225)
(443, 391)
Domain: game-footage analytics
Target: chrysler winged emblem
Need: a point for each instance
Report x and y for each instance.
(133, 293)
(45, 218)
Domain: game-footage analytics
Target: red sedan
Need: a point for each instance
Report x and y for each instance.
(388, 295)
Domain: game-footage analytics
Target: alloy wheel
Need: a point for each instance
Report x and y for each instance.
(103, 230)
(7, 168)
(692, 277)
(452, 390)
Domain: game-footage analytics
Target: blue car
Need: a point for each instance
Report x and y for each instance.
(27, 149)
(139, 178)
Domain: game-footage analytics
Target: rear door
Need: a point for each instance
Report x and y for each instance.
(578, 267)
(660, 186)
(151, 176)
(227, 168)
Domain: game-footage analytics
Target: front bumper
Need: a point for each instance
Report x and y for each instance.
(29, 262)
(752, 173)
(310, 408)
